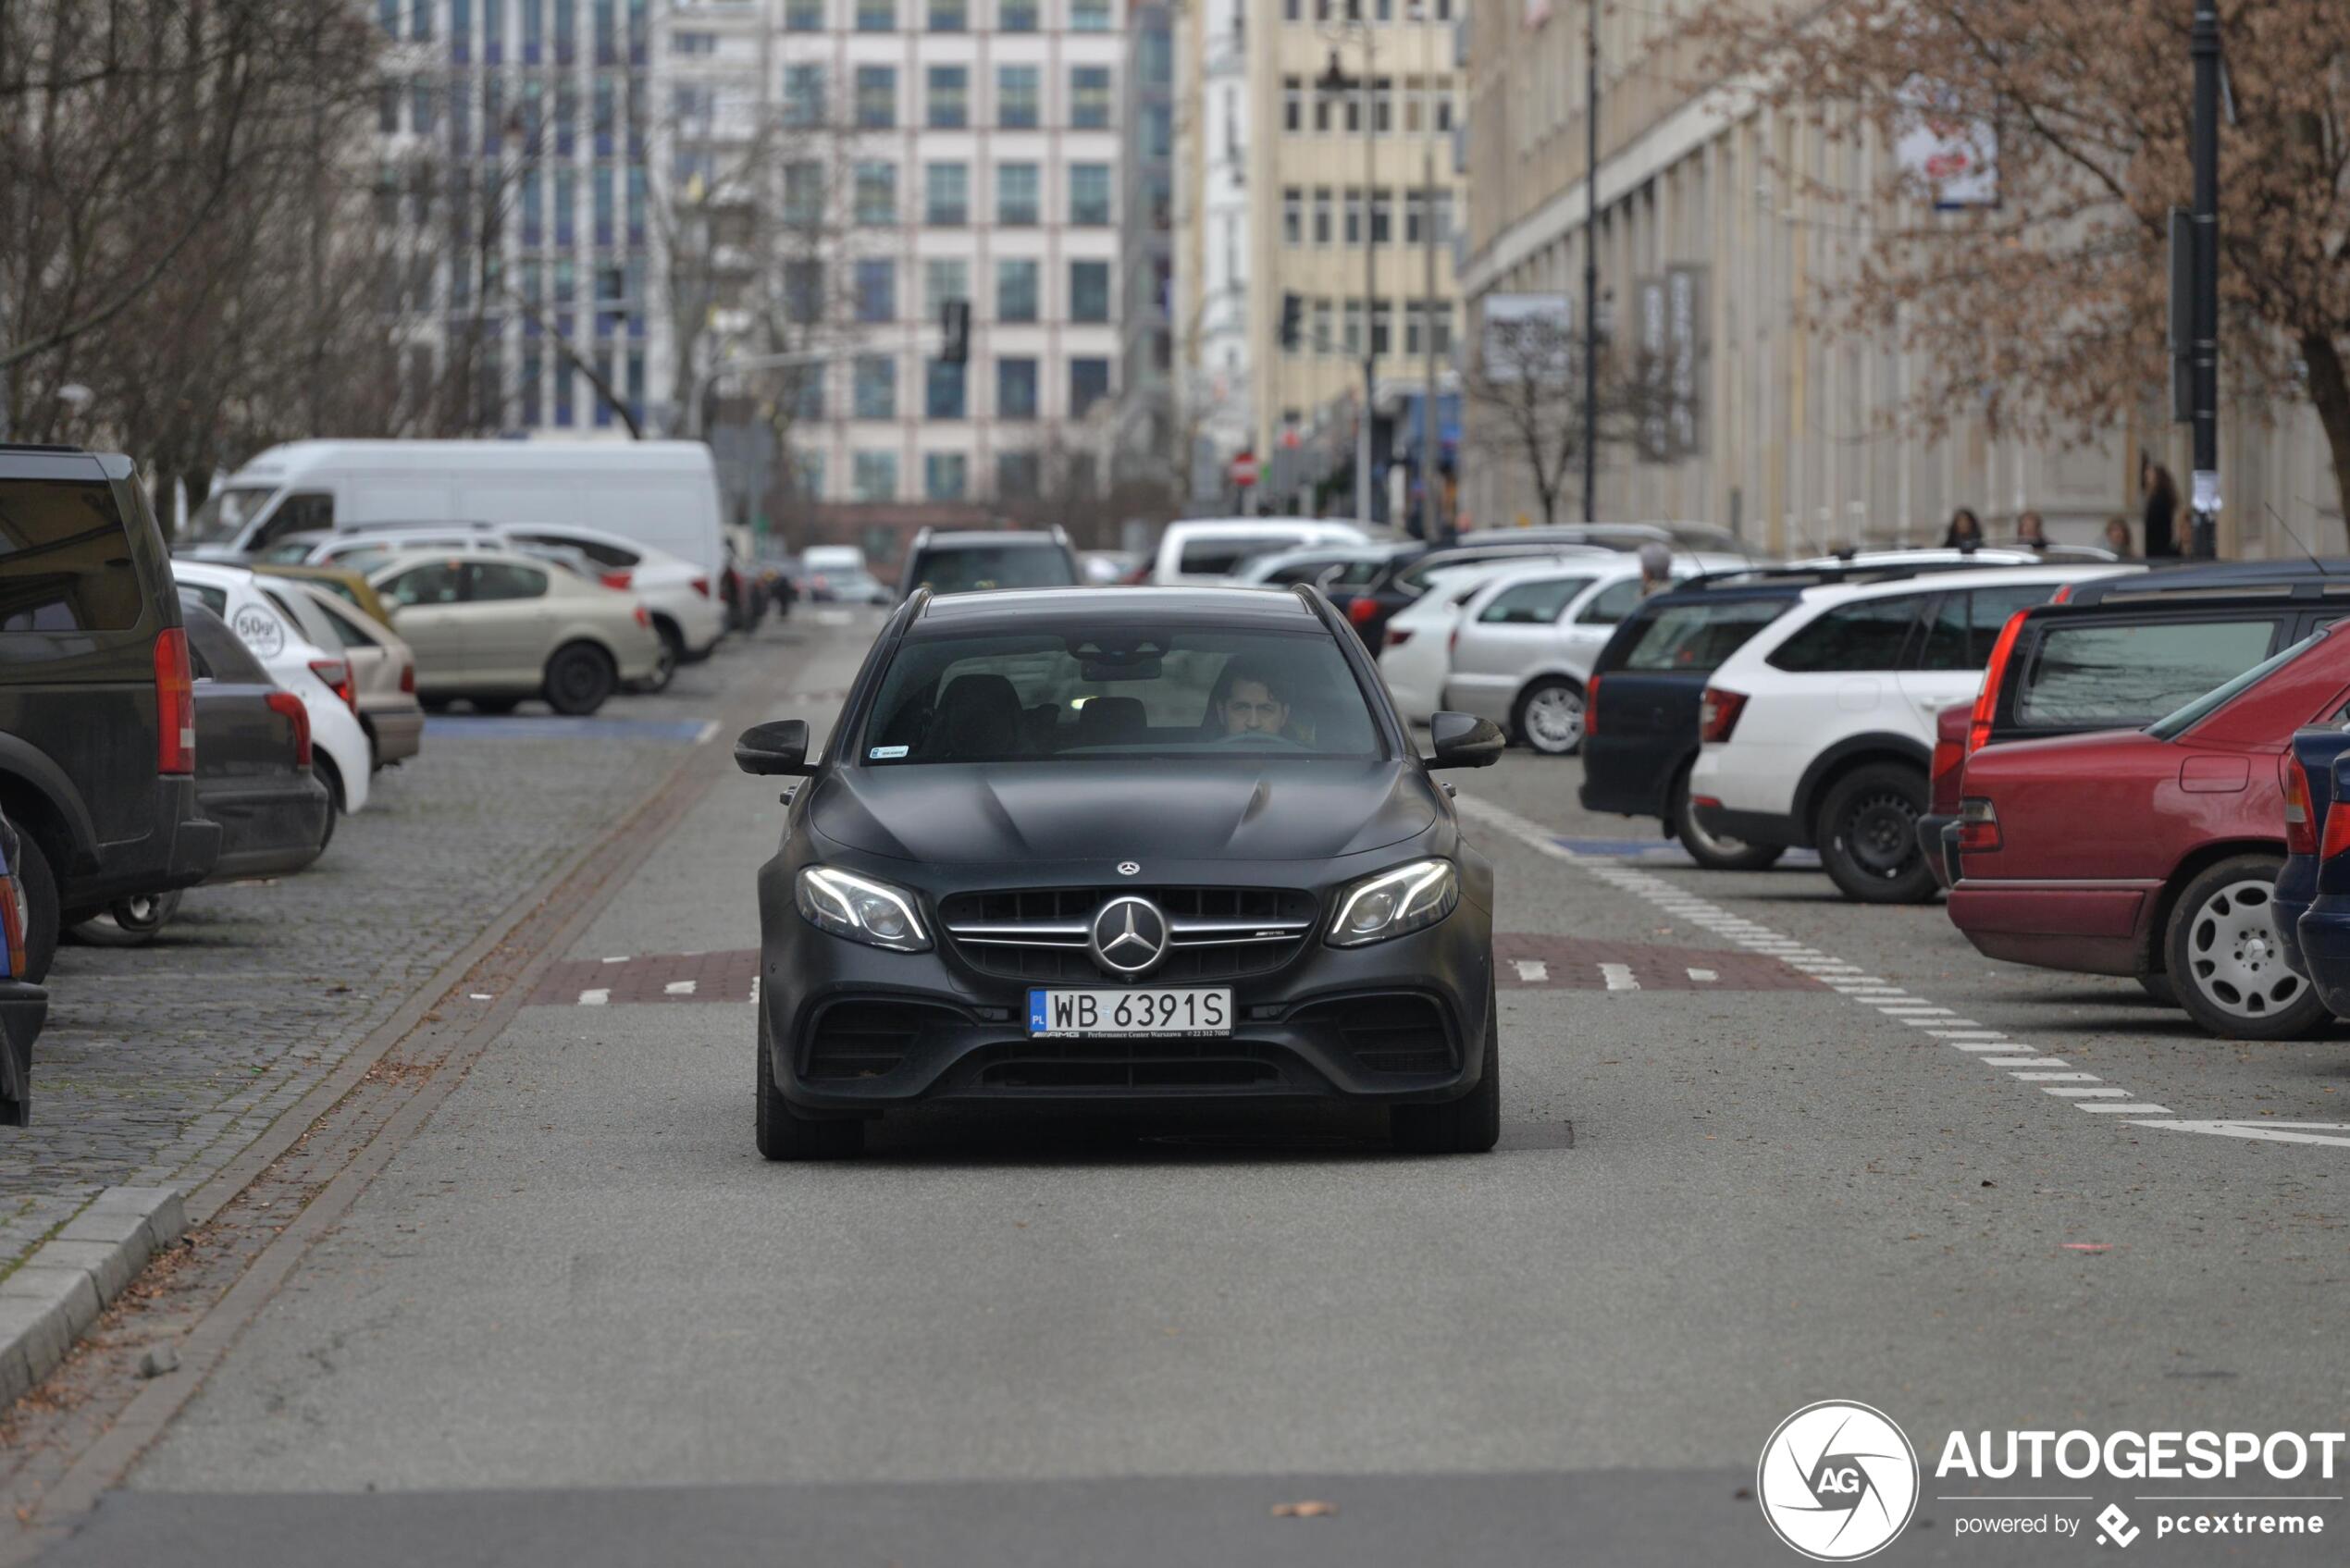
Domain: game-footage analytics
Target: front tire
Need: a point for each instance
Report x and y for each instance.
(129, 922)
(1470, 1124)
(784, 1134)
(1548, 717)
(1713, 851)
(579, 678)
(1868, 835)
(672, 653)
(2222, 956)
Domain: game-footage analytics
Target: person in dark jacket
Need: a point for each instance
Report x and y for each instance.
(1966, 530)
(2162, 507)
(2030, 532)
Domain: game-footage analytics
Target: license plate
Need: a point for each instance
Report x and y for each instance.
(1101, 1013)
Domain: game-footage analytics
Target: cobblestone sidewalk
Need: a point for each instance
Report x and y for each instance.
(159, 1065)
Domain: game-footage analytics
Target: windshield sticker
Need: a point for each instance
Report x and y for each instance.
(886, 753)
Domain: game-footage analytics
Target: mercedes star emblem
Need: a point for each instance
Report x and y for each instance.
(1129, 936)
(1130, 867)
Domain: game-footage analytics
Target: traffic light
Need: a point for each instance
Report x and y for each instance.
(955, 332)
(1292, 319)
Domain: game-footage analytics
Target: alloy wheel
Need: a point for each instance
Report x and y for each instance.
(2234, 957)
(1554, 720)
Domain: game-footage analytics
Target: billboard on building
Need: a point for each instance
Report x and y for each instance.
(1687, 344)
(1527, 337)
(1951, 155)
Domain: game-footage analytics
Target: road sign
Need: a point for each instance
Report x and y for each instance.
(1244, 470)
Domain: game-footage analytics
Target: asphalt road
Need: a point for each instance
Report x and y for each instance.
(575, 1319)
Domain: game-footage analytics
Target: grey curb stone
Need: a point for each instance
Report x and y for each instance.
(71, 1278)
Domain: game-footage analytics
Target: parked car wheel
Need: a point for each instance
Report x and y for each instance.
(784, 1134)
(579, 677)
(672, 653)
(1713, 851)
(1549, 718)
(1868, 837)
(2223, 959)
(1470, 1124)
(129, 922)
(41, 919)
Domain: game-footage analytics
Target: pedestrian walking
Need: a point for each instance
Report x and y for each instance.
(2161, 506)
(1965, 532)
(2116, 536)
(2030, 531)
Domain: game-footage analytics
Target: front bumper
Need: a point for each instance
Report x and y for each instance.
(1772, 828)
(180, 852)
(23, 1009)
(1400, 1021)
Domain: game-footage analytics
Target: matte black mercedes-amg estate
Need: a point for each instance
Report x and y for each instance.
(1122, 845)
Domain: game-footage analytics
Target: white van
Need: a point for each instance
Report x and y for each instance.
(660, 494)
(1207, 550)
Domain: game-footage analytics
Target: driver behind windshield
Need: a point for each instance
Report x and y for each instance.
(1255, 702)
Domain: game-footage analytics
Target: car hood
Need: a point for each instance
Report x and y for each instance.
(994, 813)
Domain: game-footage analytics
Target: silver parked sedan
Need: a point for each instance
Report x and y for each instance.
(496, 627)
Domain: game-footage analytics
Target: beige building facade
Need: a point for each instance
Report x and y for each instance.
(1707, 251)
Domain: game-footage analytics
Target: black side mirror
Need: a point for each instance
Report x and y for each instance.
(780, 746)
(1465, 741)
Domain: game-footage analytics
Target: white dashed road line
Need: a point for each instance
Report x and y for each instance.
(596, 997)
(1532, 971)
(2081, 1091)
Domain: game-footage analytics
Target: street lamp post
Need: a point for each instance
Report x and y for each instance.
(1334, 80)
(2204, 373)
(1431, 526)
(1591, 264)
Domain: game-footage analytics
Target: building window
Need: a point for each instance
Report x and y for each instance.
(1352, 337)
(804, 388)
(876, 290)
(1321, 109)
(1016, 290)
(803, 15)
(1321, 215)
(876, 379)
(1414, 216)
(876, 193)
(950, 98)
(1292, 103)
(1089, 16)
(946, 475)
(1016, 474)
(1088, 194)
(950, 16)
(947, 195)
(944, 280)
(876, 97)
(1017, 16)
(1089, 291)
(1382, 326)
(1293, 217)
(943, 390)
(804, 193)
(1383, 105)
(1354, 215)
(1444, 218)
(1017, 200)
(803, 292)
(1015, 389)
(876, 476)
(1089, 97)
(877, 15)
(803, 96)
(1322, 336)
(692, 43)
(1088, 384)
(808, 471)
(1442, 316)
(1018, 92)
(1382, 216)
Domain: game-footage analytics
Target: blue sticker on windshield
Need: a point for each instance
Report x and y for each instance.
(886, 753)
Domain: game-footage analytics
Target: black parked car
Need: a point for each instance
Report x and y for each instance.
(97, 702)
(967, 563)
(1129, 844)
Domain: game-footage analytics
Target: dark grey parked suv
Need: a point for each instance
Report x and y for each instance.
(97, 713)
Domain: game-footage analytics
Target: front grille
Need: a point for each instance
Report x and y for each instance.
(1219, 933)
(868, 1039)
(1402, 1032)
(1129, 1064)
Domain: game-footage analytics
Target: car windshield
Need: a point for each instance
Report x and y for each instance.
(225, 513)
(972, 568)
(1126, 690)
(2176, 724)
(1696, 638)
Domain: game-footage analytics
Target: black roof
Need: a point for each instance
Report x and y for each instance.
(1027, 609)
(2262, 579)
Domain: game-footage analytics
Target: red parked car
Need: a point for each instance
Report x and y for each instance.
(2152, 852)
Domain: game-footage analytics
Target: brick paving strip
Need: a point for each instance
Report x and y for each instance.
(259, 1205)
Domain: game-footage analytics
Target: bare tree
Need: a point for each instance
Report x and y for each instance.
(1527, 382)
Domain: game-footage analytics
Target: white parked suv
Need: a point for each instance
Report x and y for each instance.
(1207, 550)
(1523, 644)
(1819, 731)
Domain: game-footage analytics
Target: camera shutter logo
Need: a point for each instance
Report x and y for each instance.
(1837, 1481)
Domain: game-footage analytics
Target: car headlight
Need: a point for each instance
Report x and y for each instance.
(1409, 898)
(861, 909)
